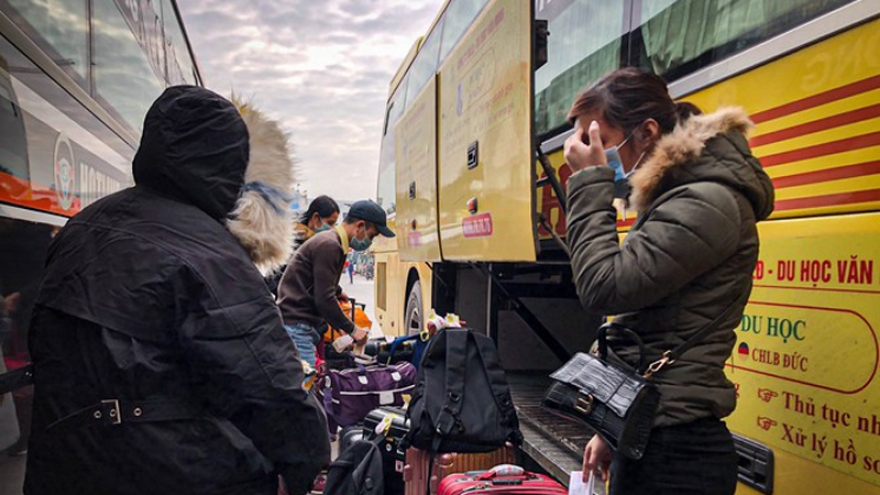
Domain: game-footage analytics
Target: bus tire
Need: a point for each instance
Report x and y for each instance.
(413, 316)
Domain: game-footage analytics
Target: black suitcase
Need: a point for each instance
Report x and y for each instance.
(350, 435)
(395, 429)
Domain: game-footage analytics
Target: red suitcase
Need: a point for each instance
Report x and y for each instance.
(415, 472)
(488, 482)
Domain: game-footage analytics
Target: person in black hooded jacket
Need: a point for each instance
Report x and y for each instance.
(161, 363)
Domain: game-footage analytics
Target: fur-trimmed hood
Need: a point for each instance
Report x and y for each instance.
(229, 160)
(262, 220)
(709, 147)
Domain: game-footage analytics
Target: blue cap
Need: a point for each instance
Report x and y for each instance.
(370, 211)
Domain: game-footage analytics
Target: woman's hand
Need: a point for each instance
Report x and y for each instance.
(597, 458)
(581, 155)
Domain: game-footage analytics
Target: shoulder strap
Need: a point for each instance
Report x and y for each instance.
(456, 364)
(16, 379)
(456, 370)
(704, 332)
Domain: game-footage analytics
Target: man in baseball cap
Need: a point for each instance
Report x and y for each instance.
(370, 213)
(309, 290)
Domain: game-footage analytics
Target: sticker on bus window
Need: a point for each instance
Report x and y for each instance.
(477, 225)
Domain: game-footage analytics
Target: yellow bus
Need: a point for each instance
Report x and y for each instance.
(483, 95)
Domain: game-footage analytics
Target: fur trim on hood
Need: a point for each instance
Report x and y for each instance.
(262, 220)
(681, 146)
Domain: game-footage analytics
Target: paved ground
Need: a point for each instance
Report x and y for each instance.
(362, 291)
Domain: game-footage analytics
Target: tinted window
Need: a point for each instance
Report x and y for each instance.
(458, 17)
(180, 65)
(584, 44)
(61, 28)
(681, 36)
(13, 144)
(123, 75)
(387, 168)
(424, 66)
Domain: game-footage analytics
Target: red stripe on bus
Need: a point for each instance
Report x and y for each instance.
(840, 93)
(21, 192)
(825, 175)
(852, 143)
(828, 200)
(838, 120)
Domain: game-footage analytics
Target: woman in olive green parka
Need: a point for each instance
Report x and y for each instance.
(687, 258)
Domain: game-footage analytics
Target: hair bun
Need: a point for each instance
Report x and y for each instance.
(686, 109)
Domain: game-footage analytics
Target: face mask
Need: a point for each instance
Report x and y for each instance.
(360, 244)
(613, 157)
(323, 227)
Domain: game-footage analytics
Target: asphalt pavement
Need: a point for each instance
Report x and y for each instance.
(362, 291)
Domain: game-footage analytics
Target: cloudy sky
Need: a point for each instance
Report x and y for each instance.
(322, 67)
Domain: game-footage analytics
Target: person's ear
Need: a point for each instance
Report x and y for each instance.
(650, 131)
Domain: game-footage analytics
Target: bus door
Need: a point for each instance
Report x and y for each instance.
(416, 156)
(486, 171)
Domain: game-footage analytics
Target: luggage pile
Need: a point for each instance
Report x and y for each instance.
(458, 434)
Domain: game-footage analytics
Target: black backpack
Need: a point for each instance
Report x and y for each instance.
(461, 402)
(357, 471)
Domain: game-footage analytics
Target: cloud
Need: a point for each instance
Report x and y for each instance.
(321, 67)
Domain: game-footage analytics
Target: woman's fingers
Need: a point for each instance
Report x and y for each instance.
(588, 462)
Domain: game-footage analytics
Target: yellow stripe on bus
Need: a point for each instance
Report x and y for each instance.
(831, 109)
(827, 136)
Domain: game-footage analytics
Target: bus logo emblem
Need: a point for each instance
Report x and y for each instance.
(65, 173)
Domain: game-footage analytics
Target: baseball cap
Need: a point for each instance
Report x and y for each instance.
(370, 211)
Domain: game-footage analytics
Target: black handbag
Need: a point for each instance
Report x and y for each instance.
(618, 402)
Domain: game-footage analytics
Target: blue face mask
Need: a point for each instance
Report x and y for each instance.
(613, 157)
(323, 227)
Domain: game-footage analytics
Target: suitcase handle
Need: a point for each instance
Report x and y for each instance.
(507, 471)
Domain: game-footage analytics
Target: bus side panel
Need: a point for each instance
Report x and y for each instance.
(807, 352)
(389, 295)
(416, 157)
(806, 357)
(486, 173)
(816, 119)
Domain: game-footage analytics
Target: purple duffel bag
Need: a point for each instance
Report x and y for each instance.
(350, 394)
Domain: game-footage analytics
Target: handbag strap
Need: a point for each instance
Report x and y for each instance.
(602, 341)
(673, 355)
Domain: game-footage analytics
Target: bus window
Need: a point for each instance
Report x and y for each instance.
(124, 77)
(180, 64)
(13, 144)
(61, 28)
(425, 65)
(386, 190)
(585, 43)
(682, 36)
(458, 18)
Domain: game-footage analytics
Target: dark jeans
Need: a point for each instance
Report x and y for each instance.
(691, 459)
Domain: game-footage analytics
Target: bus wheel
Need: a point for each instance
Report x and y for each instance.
(412, 315)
